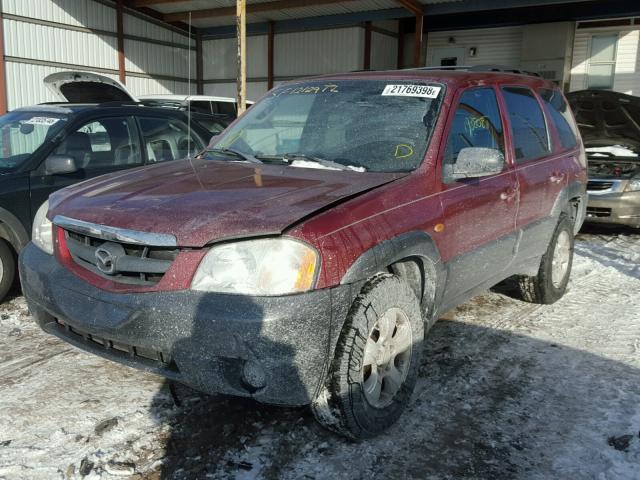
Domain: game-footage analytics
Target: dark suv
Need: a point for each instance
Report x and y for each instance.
(46, 147)
(302, 259)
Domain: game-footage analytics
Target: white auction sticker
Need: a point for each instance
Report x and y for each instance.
(42, 120)
(425, 91)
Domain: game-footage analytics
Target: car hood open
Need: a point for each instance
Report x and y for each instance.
(607, 118)
(206, 201)
(87, 87)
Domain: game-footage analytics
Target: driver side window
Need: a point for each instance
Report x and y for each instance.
(103, 144)
(476, 123)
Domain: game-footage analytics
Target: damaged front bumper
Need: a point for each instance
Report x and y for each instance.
(273, 349)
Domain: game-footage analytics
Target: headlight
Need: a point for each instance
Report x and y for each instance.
(633, 185)
(272, 266)
(42, 234)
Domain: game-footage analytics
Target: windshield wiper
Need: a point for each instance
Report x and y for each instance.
(290, 157)
(244, 156)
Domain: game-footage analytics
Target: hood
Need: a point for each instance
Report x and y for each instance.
(87, 87)
(607, 118)
(209, 200)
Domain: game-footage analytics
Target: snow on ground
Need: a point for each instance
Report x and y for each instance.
(507, 390)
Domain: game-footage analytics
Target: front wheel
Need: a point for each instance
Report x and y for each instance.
(550, 284)
(375, 367)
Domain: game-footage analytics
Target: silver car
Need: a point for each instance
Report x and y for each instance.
(610, 126)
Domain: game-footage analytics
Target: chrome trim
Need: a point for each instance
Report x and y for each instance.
(616, 186)
(115, 234)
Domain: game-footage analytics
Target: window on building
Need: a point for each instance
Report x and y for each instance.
(602, 62)
(529, 129)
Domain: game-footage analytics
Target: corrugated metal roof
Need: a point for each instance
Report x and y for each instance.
(283, 14)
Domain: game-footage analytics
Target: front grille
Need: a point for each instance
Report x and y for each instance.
(598, 212)
(596, 186)
(132, 264)
(144, 355)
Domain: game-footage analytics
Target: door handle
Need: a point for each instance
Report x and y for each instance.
(509, 194)
(557, 177)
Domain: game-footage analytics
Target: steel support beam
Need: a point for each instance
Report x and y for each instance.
(270, 45)
(199, 64)
(367, 46)
(241, 35)
(122, 75)
(417, 45)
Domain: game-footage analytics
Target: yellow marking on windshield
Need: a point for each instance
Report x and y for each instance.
(403, 150)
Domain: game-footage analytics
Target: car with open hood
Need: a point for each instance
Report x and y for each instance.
(95, 129)
(301, 259)
(610, 126)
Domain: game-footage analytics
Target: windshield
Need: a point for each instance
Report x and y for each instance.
(21, 133)
(362, 125)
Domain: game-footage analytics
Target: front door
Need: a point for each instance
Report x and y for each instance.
(98, 147)
(479, 213)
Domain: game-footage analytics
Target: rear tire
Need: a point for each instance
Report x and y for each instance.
(7, 269)
(376, 362)
(550, 284)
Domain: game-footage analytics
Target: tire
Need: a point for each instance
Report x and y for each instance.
(7, 269)
(544, 288)
(348, 404)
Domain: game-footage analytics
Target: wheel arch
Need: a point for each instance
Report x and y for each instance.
(12, 230)
(572, 201)
(396, 255)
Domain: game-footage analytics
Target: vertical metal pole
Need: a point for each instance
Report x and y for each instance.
(3, 71)
(120, 34)
(199, 66)
(270, 42)
(417, 47)
(367, 46)
(241, 32)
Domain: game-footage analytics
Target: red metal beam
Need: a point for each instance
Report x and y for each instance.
(3, 71)
(270, 43)
(367, 46)
(417, 46)
(199, 64)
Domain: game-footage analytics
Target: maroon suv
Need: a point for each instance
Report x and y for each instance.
(301, 259)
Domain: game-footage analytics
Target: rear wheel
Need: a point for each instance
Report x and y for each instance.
(376, 362)
(550, 284)
(7, 269)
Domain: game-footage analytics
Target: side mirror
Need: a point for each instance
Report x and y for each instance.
(59, 165)
(474, 162)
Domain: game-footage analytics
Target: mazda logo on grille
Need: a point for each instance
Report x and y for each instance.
(107, 256)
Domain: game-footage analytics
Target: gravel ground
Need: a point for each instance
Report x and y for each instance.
(507, 390)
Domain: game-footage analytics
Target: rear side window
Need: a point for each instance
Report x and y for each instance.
(201, 106)
(530, 136)
(225, 108)
(560, 116)
(476, 124)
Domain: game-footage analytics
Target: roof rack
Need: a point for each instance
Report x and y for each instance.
(481, 68)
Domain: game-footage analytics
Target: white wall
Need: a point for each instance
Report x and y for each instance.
(80, 34)
(296, 54)
(627, 70)
(498, 46)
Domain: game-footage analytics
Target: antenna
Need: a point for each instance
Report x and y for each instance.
(189, 93)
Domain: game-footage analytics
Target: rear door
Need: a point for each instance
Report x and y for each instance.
(480, 213)
(539, 170)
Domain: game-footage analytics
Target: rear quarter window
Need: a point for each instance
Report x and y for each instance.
(528, 125)
(560, 116)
